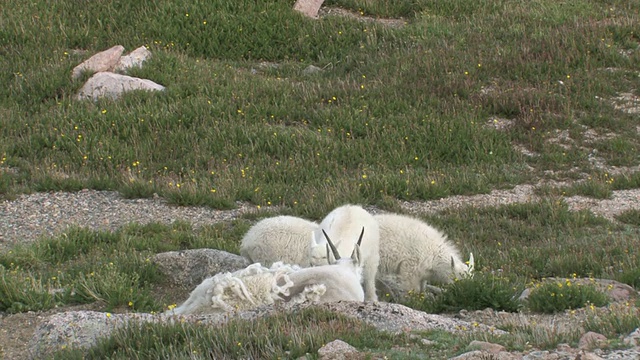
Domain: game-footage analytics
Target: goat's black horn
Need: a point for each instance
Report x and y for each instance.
(361, 235)
(333, 248)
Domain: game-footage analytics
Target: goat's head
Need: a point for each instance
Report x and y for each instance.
(355, 254)
(318, 256)
(463, 270)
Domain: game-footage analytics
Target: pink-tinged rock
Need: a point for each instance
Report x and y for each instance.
(112, 85)
(486, 346)
(633, 339)
(582, 355)
(592, 340)
(133, 59)
(479, 354)
(336, 350)
(308, 7)
(102, 61)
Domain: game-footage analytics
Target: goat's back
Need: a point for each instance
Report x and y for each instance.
(280, 238)
(344, 224)
(409, 242)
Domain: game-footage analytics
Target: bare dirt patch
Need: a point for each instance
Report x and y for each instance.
(335, 11)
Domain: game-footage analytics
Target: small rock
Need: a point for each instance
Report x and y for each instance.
(336, 350)
(486, 346)
(476, 354)
(308, 7)
(582, 355)
(535, 355)
(479, 354)
(427, 342)
(633, 339)
(311, 69)
(112, 85)
(133, 59)
(102, 61)
(592, 340)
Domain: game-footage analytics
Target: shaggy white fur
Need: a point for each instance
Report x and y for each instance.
(344, 225)
(279, 238)
(417, 254)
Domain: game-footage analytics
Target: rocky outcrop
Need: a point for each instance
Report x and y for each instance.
(106, 81)
(81, 329)
(77, 329)
(188, 268)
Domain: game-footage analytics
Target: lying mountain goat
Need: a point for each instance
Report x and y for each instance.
(343, 225)
(256, 285)
(417, 254)
(241, 290)
(280, 238)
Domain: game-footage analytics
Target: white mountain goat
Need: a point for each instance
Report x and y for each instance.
(257, 285)
(279, 238)
(241, 290)
(340, 280)
(343, 225)
(417, 255)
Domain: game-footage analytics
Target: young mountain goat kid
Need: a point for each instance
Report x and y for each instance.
(279, 238)
(416, 254)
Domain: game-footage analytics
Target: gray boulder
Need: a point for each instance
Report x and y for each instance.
(336, 350)
(112, 85)
(102, 61)
(188, 268)
(308, 7)
(77, 329)
(133, 59)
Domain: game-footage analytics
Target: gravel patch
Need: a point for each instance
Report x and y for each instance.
(622, 200)
(29, 217)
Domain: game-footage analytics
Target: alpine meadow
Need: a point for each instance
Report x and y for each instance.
(392, 105)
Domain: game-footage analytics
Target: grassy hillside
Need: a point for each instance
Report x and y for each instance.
(465, 97)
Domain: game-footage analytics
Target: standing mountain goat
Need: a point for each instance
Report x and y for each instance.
(417, 254)
(280, 238)
(343, 225)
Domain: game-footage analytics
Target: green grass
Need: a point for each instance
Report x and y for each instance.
(415, 92)
(290, 335)
(399, 113)
(481, 292)
(564, 295)
(111, 268)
